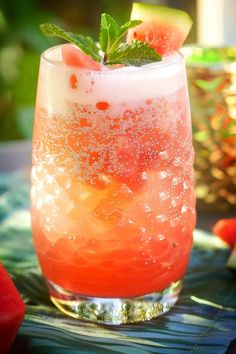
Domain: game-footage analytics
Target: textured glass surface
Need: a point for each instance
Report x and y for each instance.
(202, 321)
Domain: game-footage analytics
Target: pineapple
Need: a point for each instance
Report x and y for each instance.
(212, 91)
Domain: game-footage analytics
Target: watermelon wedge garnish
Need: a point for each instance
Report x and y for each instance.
(12, 311)
(75, 57)
(165, 29)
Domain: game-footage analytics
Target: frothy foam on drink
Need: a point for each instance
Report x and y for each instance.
(116, 86)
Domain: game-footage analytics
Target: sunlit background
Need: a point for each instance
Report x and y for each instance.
(21, 43)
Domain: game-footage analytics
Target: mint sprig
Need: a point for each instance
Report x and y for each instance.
(110, 50)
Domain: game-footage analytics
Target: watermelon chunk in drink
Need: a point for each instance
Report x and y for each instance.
(75, 57)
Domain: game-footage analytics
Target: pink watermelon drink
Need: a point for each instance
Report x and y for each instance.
(112, 183)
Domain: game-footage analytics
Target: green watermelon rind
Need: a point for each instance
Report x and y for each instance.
(162, 14)
(231, 264)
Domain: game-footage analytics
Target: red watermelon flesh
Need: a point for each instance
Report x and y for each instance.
(164, 29)
(75, 57)
(226, 230)
(12, 311)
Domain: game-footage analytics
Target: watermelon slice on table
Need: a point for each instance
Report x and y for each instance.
(73, 56)
(226, 230)
(164, 28)
(12, 311)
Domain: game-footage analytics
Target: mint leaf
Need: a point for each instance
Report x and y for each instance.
(108, 32)
(111, 34)
(128, 25)
(85, 43)
(122, 31)
(136, 53)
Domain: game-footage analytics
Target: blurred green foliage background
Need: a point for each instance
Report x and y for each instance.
(21, 43)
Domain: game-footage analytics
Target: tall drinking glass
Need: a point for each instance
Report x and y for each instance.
(113, 206)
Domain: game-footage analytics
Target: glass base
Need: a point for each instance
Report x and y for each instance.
(114, 310)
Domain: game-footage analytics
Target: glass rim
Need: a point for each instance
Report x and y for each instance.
(178, 57)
